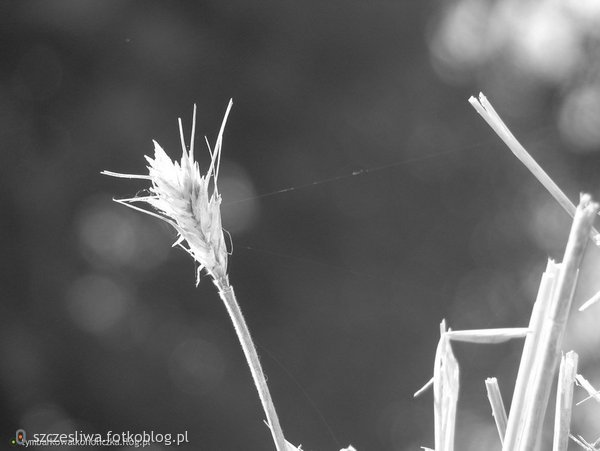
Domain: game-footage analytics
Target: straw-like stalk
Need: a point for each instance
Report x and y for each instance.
(489, 114)
(540, 307)
(445, 392)
(564, 401)
(498, 410)
(239, 323)
(544, 336)
(548, 321)
(548, 348)
(445, 380)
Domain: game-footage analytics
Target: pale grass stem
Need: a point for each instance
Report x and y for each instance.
(486, 110)
(551, 310)
(446, 372)
(514, 426)
(521, 431)
(553, 325)
(239, 323)
(564, 401)
(498, 410)
(445, 392)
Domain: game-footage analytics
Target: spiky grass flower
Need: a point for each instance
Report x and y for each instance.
(190, 202)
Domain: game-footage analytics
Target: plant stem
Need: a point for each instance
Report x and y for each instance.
(446, 377)
(243, 333)
(554, 325)
(498, 411)
(489, 114)
(518, 403)
(564, 401)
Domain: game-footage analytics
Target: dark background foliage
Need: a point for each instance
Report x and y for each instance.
(405, 210)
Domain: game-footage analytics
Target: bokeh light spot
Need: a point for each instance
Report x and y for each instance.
(23, 365)
(39, 72)
(240, 206)
(47, 418)
(549, 226)
(96, 303)
(196, 366)
(485, 298)
(579, 118)
(110, 235)
(540, 29)
(459, 44)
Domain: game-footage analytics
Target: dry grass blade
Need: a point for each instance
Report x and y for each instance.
(486, 110)
(498, 410)
(554, 325)
(488, 336)
(445, 392)
(564, 401)
(540, 307)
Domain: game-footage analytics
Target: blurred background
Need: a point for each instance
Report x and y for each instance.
(365, 198)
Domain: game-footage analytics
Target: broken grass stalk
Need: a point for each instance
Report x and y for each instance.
(479, 336)
(553, 326)
(564, 401)
(498, 410)
(487, 111)
(540, 307)
(445, 392)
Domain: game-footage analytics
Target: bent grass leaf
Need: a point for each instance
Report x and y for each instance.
(488, 336)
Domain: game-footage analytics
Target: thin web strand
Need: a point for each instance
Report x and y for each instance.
(336, 178)
(358, 172)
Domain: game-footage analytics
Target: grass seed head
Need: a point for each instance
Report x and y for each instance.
(188, 200)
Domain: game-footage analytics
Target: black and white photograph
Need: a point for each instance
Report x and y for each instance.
(359, 225)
